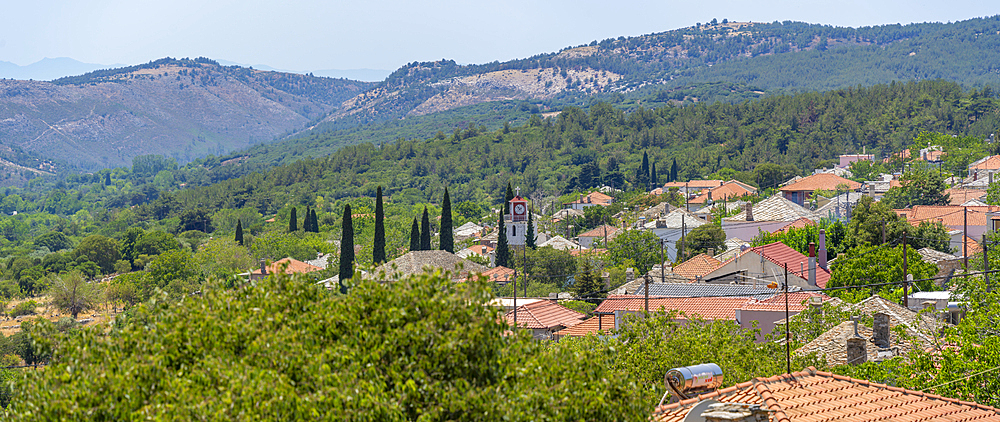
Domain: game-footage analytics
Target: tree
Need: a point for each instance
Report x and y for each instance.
(293, 221)
(919, 186)
(307, 221)
(588, 282)
(654, 179)
(55, 241)
(378, 246)
(874, 265)
(155, 242)
(425, 231)
(703, 238)
(673, 171)
(346, 249)
(642, 173)
(239, 232)
(414, 236)
(635, 248)
(447, 237)
(867, 220)
(506, 200)
(196, 219)
(72, 293)
(529, 240)
(103, 251)
(503, 250)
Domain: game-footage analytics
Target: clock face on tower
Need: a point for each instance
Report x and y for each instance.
(519, 209)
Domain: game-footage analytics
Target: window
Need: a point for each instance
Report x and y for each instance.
(513, 231)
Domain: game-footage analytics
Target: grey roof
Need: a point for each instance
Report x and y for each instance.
(838, 203)
(414, 263)
(934, 256)
(675, 219)
(775, 208)
(468, 229)
(658, 210)
(733, 246)
(567, 212)
(707, 290)
(560, 243)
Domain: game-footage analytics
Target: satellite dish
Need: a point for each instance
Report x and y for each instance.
(695, 414)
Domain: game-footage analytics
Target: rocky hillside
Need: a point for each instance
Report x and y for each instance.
(179, 108)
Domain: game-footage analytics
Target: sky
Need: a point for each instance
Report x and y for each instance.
(308, 35)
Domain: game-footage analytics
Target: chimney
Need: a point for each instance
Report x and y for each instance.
(871, 191)
(711, 251)
(582, 196)
(749, 211)
(857, 352)
(881, 330)
(710, 195)
(735, 412)
(822, 250)
(629, 275)
(263, 267)
(812, 264)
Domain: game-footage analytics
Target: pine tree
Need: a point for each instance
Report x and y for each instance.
(654, 179)
(293, 221)
(378, 248)
(414, 236)
(425, 231)
(529, 241)
(239, 232)
(447, 235)
(107, 179)
(502, 251)
(346, 249)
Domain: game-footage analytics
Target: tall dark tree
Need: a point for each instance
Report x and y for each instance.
(447, 234)
(378, 247)
(307, 221)
(346, 249)
(654, 179)
(673, 171)
(529, 241)
(107, 179)
(239, 232)
(503, 250)
(425, 231)
(293, 221)
(414, 236)
(642, 176)
(315, 222)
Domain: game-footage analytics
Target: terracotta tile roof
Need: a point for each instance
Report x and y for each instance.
(593, 251)
(294, 267)
(819, 396)
(935, 155)
(593, 198)
(697, 266)
(960, 196)
(713, 308)
(780, 253)
(948, 215)
(797, 302)
(544, 314)
(606, 323)
(707, 290)
(824, 181)
(775, 208)
(728, 191)
(611, 232)
(988, 163)
(499, 274)
(694, 184)
(902, 155)
(974, 247)
(797, 224)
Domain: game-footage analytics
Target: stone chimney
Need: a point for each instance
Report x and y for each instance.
(812, 264)
(857, 352)
(629, 275)
(735, 412)
(821, 254)
(881, 329)
(749, 211)
(582, 198)
(263, 267)
(709, 195)
(711, 251)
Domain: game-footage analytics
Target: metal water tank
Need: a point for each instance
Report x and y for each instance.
(706, 376)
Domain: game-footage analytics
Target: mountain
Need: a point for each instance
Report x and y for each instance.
(48, 69)
(183, 109)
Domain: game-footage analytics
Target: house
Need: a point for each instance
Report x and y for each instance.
(696, 267)
(693, 187)
(705, 308)
(543, 318)
(768, 215)
(566, 213)
(802, 190)
(959, 196)
(500, 275)
(671, 227)
(480, 250)
(467, 231)
(589, 200)
(973, 221)
(801, 223)
(983, 168)
(847, 159)
(819, 396)
(947, 263)
(766, 313)
(596, 324)
(603, 233)
(920, 333)
(759, 292)
(560, 243)
(284, 265)
(417, 262)
(659, 274)
(767, 263)
(726, 192)
(839, 207)
(946, 304)
(878, 188)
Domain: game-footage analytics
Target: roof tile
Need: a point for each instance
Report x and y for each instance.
(544, 314)
(821, 181)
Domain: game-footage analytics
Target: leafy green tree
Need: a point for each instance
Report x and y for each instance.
(867, 220)
(920, 186)
(346, 249)
(506, 200)
(55, 241)
(635, 248)
(447, 232)
(128, 242)
(414, 236)
(196, 219)
(654, 179)
(873, 265)
(502, 251)
(72, 293)
(102, 250)
(798, 238)
(293, 221)
(239, 232)
(425, 231)
(547, 265)
(703, 238)
(155, 242)
(378, 246)
(673, 171)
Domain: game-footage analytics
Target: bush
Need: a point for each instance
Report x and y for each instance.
(24, 308)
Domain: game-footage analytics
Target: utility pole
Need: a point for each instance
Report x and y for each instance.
(883, 232)
(515, 297)
(788, 334)
(686, 196)
(906, 278)
(965, 237)
(683, 233)
(986, 260)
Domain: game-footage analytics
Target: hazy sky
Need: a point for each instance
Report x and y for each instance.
(305, 35)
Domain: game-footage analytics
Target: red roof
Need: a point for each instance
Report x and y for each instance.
(949, 215)
(611, 232)
(819, 396)
(606, 323)
(294, 267)
(961, 196)
(797, 224)
(824, 181)
(713, 308)
(990, 163)
(797, 302)
(544, 314)
(595, 197)
(499, 274)
(697, 266)
(728, 191)
(694, 184)
(780, 254)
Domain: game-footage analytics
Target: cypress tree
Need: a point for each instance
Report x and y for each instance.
(447, 235)
(425, 231)
(503, 251)
(378, 248)
(107, 179)
(293, 221)
(673, 171)
(654, 179)
(529, 241)
(315, 222)
(506, 201)
(414, 236)
(346, 249)
(307, 221)
(239, 232)
(643, 173)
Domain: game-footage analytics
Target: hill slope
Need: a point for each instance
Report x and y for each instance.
(178, 108)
